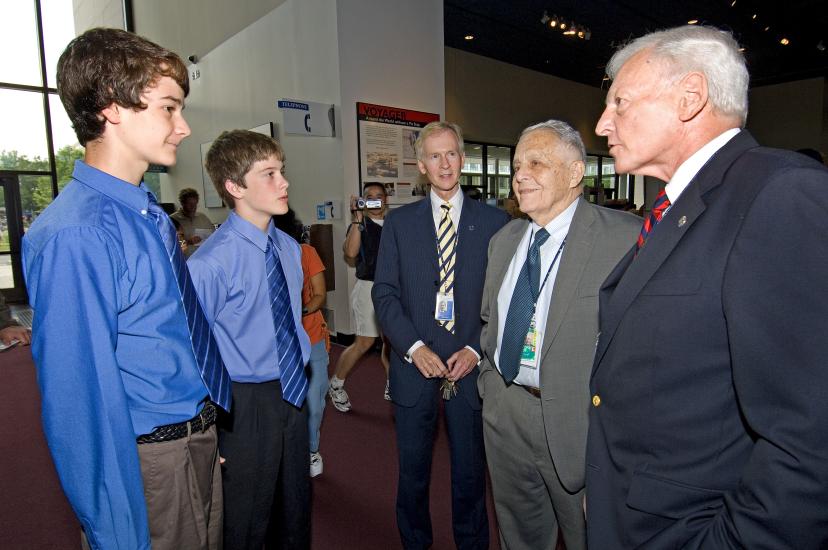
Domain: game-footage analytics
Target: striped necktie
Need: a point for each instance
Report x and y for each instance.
(204, 346)
(521, 309)
(661, 203)
(446, 247)
(291, 366)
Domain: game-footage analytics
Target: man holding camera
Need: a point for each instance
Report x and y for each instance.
(361, 247)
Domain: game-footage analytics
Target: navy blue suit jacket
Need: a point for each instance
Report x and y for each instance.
(406, 284)
(712, 425)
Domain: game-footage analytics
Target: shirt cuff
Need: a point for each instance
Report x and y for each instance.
(417, 345)
(475, 353)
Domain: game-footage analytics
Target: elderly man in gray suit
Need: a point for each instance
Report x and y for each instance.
(540, 315)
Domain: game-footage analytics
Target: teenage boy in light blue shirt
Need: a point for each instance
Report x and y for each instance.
(248, 276)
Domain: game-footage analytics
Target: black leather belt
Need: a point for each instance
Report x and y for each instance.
(532, 391)
(171, 432)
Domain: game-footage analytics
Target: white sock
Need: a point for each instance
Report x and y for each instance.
(337, 382)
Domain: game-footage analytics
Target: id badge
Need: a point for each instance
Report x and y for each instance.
(528, 357)
(444, 308)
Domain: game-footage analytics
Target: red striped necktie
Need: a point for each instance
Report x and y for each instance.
(662, 203)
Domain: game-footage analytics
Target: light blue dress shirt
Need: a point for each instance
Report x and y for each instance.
(228, 271)
(111, 344)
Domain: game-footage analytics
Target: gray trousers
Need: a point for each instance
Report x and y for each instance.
(530, 502)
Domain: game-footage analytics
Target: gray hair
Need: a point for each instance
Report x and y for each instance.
(566, 133)
(710, 51)
(435, 128)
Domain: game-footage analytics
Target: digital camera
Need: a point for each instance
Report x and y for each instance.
(368, 203)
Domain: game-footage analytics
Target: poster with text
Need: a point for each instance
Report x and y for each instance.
(386, 150)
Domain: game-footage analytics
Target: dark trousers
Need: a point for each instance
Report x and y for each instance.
(264, 441)
(416, 428)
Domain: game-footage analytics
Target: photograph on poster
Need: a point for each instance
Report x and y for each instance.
(386, 150)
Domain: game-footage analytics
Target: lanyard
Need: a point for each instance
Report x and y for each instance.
(548, 271)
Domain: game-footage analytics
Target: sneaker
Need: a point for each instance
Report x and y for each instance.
(315, 464)
(339, 398)
(387, 394)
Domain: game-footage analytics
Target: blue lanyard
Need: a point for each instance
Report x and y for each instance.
(548, 271)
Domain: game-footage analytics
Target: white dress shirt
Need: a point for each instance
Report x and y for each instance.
(456, 202)
(690, 167)
(558, 228)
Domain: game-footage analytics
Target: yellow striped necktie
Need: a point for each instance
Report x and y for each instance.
(446, 245)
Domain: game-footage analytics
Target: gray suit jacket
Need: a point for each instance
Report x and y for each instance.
(598, 238)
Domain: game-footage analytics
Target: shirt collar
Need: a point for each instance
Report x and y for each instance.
(252, 233)
(456, 201)
(558, 227)
(690, 167)
(134, 197)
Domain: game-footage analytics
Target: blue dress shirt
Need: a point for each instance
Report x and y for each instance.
(111, 344)
(229, 275)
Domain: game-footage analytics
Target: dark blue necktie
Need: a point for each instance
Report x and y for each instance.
(291, 366)
(521, 309)
(204, 345)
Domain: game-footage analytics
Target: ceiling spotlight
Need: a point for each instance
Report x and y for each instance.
(742, 49)
(469, 37)
(554, 22)
(784, 41)
(733, 4)
(821, 46)
(754, 17)
(581, 34)
(563, 26)
(545, 19)
(692, 21)
(767, 28)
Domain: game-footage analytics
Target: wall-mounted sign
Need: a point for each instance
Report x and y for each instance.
(386, 150)
(307, 118)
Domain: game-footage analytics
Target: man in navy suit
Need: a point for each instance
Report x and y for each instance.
(427, 293)
(709, 425)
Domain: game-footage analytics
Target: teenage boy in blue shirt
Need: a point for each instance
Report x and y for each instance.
(124, 360)
(248, 276)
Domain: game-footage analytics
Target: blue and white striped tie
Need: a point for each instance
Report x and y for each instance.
(291, 366)
(205, 350)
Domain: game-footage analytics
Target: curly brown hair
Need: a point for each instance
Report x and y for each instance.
(105, 66)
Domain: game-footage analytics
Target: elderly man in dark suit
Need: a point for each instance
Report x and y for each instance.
(537, 352)
(708, 426)
(427, 290)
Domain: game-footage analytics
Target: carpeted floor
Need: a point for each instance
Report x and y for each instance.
(353, 505)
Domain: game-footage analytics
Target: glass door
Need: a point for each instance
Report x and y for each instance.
(12, 223)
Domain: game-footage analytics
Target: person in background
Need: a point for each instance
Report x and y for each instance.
(126, 363)
(10, 329)
(248, 277)
(179, 234)
(195, 225)
(314, 294)
(361, 247)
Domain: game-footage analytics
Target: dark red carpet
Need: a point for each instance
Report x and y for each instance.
(353, 506)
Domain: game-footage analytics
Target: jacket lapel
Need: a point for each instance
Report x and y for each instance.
(426, 234)
(579, 243)
(661, 242)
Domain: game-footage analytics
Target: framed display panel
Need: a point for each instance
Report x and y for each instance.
(386, 150)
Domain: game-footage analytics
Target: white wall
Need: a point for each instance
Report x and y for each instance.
(390, 53)
(791, 115)
(493, 101)
(89, 14)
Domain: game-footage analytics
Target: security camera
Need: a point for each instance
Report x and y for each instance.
(193, 58)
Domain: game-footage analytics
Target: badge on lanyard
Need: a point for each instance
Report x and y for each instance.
(528, 357)
(444, 308)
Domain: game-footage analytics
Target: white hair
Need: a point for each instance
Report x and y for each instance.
(566, 133)
(712, 52)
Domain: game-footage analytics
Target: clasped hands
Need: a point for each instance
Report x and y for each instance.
(458, 365)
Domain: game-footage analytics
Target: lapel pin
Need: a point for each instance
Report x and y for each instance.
(471, 228)
(682, 220)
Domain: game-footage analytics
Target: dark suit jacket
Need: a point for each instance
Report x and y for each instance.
(598, 237)
(712, 426)
(406, 284)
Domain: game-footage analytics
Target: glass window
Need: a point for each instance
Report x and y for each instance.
(58, 31)
(608, 172)
(67, 149)
(23, 139)
(18, 39)
(35, 195)
(474, 159)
